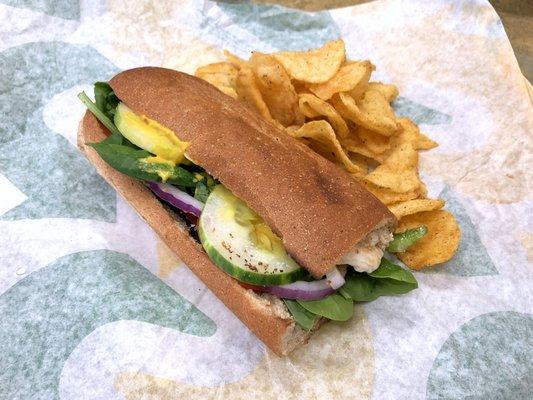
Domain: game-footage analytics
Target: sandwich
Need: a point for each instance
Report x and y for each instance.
(284, 237)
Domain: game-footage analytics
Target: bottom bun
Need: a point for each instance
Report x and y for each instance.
(266, 316)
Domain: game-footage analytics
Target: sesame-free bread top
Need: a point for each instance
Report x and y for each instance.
(318, 210)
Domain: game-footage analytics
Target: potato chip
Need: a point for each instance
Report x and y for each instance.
(349, 77)
(222, 75)
(387, 196)
(409, 130)
(314, 66)
(399, 170)
(322, 132)
(216, 68)
(362, 163)
(313, 107)
(390, 92)
(236, 61)
(422, 191)
(358, 92)
(372, 111)
(415, 206)
(425, 143)
(292, 128)
(412, 133)
(440, 243)
(398, 182)
(374, 141)
(300, 87)
(276, 89)
(354, 144)
(323, 150)
(248, 92)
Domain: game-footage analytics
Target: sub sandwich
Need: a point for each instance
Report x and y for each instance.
(285, 238)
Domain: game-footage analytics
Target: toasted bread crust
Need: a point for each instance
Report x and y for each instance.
(318, 210)
(281, 335)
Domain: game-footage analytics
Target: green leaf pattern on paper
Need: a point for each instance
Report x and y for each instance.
(47, 314)
(67, 9)
(472, 258)
(419, 113)
(55, 176)
(273, 26)
(489, 357)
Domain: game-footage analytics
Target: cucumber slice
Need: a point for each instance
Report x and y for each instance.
(239, 242)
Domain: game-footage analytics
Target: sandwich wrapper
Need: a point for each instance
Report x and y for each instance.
(93, 305)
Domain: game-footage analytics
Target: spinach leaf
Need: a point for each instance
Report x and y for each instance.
(359, 287)
(388, 279)
(116, 136)
(101, 90)
(204, 187)
(388, 270)
(302, 317)
(402, 241)
(105, 99)
(334, 307)
(129, 161)
(112, 103)
(174, 174)
(201, 192)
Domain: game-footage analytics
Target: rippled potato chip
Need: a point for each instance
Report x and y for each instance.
(362, 162)
(322, 132)
(415, 206)
(314, 66)
(354, 144)
(409, 130)
(374, 141)
(236, 61)
(372, 111)
(390, 92)
(351, 76)
(425, 143)
(422, 190)
(276, 89)
(399, 171)
(387, 196)
(440, 243)
(387, 177)
(248, 91)
(412, 133)
(313, 107)
(222, 75)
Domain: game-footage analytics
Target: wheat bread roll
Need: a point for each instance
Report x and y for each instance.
(318, 209)
(265, 316)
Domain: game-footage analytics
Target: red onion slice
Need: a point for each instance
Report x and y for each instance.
(178, 198)
(336, 278)
(302, 290)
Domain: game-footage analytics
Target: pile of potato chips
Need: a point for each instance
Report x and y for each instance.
(330, 104)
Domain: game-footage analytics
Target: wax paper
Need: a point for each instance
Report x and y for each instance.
(94, 306)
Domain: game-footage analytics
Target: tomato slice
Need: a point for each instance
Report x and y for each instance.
(193, 219)
(255, 288)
